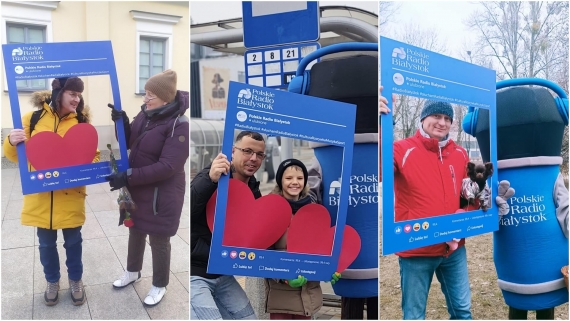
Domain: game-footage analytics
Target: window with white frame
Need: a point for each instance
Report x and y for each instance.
(152, 59)
(24, 33)
(155, 37)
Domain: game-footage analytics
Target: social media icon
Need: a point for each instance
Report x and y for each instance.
(233, 254)
(55, 174)
(398, 79)
(398, 230)
(242, 255)
(251, 256)
(416, 227)
(48, 175)
(224, 254)
(40, 176)
(407, 228)
(425, 225)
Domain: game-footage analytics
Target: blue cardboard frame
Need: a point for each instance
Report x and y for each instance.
(56, 60)
(280, 28)
(276, 112)
(445, 79)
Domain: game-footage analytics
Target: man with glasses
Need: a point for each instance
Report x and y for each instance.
(217, 297)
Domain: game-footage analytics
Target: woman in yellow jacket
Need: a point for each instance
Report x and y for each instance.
(62, 209)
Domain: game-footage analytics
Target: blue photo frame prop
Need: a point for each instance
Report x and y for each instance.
(56, 60)
(416, 72)
(293, 116)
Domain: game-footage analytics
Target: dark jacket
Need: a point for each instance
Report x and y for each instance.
(201, 190)
(159, 147)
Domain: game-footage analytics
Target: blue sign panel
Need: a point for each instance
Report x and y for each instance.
(281, 22)
(274, 67)
(412, 71)
(276, 112)
(56, 60)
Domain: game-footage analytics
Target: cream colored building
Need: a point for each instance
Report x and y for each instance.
(147, 38)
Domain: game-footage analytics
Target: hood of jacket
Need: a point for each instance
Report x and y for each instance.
(42, 100)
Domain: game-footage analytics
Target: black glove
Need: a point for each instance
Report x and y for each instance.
(117, 181)
(117, 114)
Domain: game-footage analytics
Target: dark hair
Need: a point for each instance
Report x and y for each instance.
(254, 135)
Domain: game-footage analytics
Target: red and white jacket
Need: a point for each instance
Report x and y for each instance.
(427, 182)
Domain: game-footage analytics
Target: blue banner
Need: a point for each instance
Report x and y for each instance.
(412, 71)
(284, 114)
(56, 60)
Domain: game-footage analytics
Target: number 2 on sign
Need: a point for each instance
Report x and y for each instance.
(290, 53)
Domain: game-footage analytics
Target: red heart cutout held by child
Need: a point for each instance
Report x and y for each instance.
(47, 150)
(251, 223)
(310, 232)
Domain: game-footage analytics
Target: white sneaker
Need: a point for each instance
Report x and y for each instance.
(127, 278)
(154, 296)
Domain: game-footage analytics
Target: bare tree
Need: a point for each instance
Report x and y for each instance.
(388, 9)
(520, 37)
(526, 39)
(561, 78)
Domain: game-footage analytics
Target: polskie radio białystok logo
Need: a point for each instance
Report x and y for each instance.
(256, 98)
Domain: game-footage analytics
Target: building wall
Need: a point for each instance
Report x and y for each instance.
(92, 21)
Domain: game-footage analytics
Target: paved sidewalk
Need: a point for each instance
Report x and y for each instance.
(104, 259)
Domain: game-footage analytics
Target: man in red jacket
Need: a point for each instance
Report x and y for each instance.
(428, 171)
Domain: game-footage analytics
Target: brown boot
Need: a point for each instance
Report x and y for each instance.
(77, 292)
(51, 296)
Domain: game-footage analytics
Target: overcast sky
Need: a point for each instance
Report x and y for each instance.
(444, 16)
(202, 12)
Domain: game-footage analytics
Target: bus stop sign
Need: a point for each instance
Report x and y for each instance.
(276, 23)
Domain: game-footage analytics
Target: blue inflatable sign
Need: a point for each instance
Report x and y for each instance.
(280, 113)
(56, 60)
(412, 71)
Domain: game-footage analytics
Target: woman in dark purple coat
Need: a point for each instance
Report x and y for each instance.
(159, 144)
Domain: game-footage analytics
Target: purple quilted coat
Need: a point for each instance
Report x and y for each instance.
(157, 180)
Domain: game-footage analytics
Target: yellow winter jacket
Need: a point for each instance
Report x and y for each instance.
(57, 209)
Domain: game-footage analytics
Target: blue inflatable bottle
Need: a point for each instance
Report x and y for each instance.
(531, 245)
(354, 80)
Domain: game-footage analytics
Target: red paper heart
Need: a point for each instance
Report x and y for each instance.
(46, 150)
(310, 232)
(251, 223)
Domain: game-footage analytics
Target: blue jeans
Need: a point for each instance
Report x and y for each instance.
(218, 299)
(50, 258)
(416, 274)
